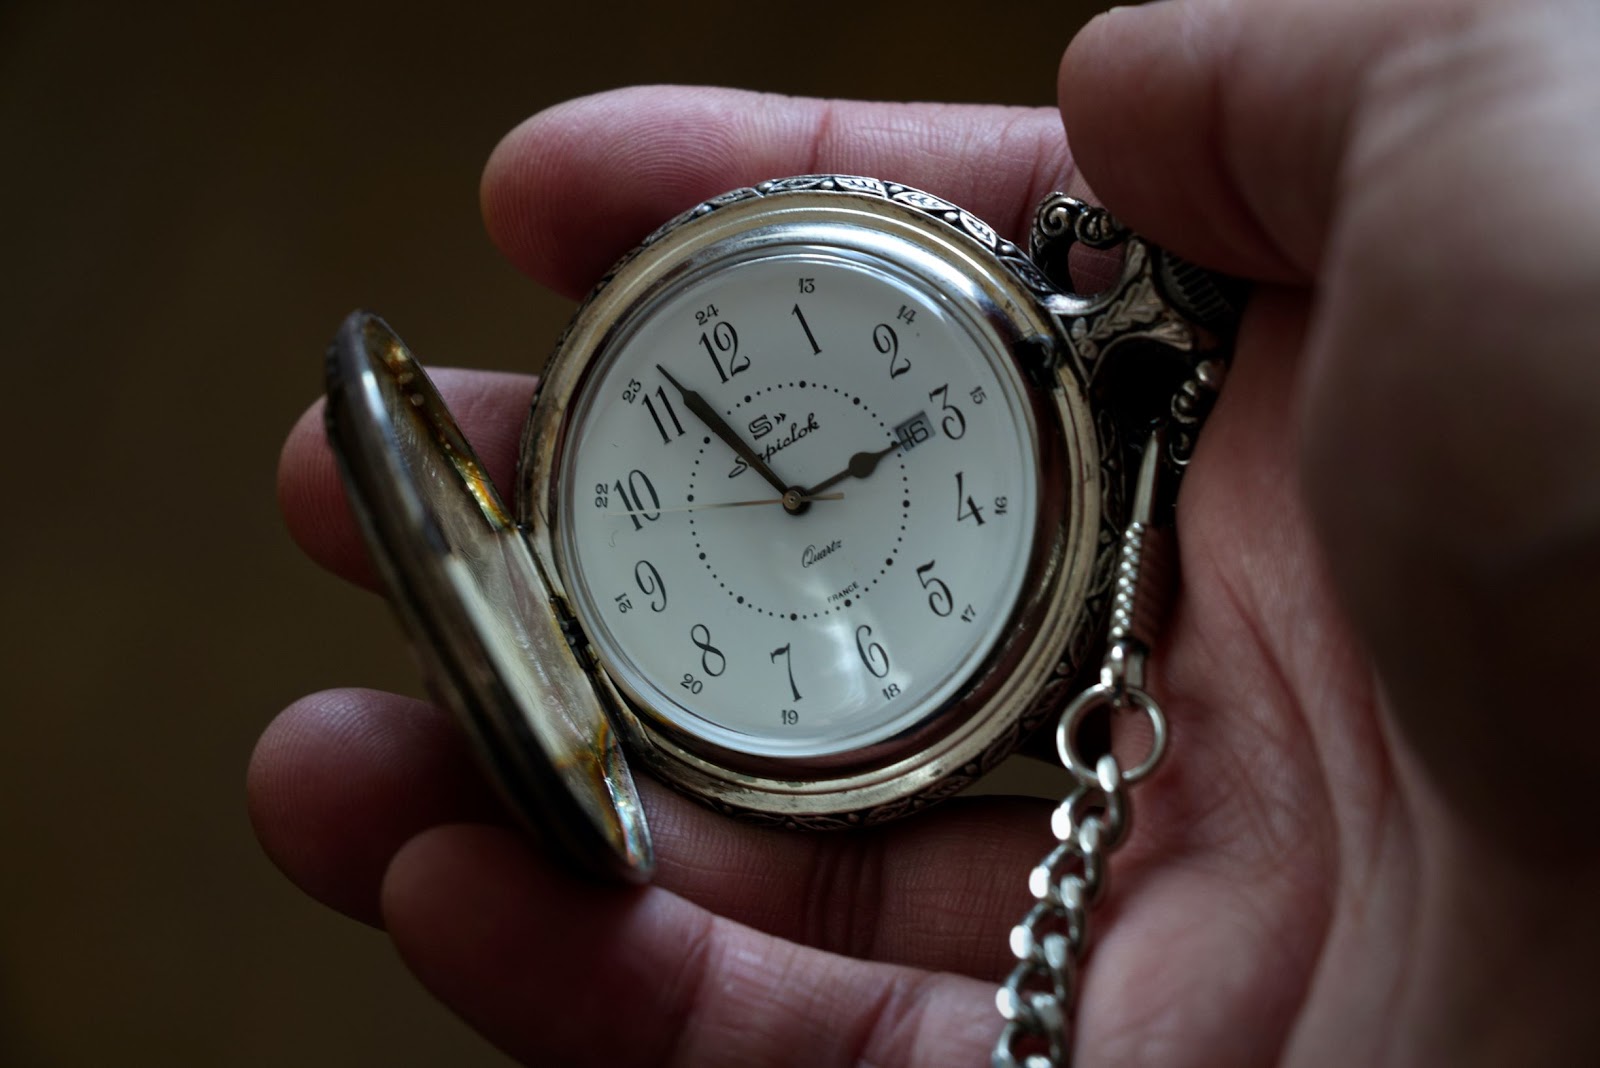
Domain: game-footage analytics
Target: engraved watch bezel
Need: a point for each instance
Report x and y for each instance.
(1050, 632)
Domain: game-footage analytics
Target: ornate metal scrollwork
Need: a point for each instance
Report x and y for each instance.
(1062, 218)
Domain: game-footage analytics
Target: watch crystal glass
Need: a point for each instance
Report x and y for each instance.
(821, 562)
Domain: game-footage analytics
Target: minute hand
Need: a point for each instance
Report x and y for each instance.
(708, 415)
(861, 465)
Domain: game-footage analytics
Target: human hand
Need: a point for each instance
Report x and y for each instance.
(1328, 865)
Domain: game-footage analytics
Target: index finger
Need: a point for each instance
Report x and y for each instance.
(576, 186)
(573, 188)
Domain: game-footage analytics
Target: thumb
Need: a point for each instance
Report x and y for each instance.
(1217, 127)
(1433, 168)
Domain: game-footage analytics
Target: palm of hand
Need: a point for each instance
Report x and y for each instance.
(1253, 846)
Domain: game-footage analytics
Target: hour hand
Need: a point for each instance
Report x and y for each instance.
(861, 465)
(718, 426)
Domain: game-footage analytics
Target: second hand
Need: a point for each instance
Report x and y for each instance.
(720, 504)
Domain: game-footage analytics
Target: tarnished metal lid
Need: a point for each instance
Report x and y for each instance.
(476, 606)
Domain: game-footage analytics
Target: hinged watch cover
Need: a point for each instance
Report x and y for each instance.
(476, 606)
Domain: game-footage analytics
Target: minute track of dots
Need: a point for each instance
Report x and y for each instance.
(888, 562)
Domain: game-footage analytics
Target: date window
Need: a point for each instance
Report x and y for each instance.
(913, 431)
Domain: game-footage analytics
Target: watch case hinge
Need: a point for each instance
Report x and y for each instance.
(1040, 362)
(572, 630)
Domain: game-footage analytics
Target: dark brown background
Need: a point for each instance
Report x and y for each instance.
(191, 196)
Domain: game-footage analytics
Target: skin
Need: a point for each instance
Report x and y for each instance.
(1373, 843)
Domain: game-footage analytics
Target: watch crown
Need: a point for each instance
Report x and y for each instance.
(1211, 299)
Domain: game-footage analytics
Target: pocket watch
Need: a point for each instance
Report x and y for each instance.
(820, 508)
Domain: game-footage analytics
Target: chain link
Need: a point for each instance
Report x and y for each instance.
(1162, 300)
(1049, 944)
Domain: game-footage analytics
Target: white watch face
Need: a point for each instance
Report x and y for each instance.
(899, 429)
